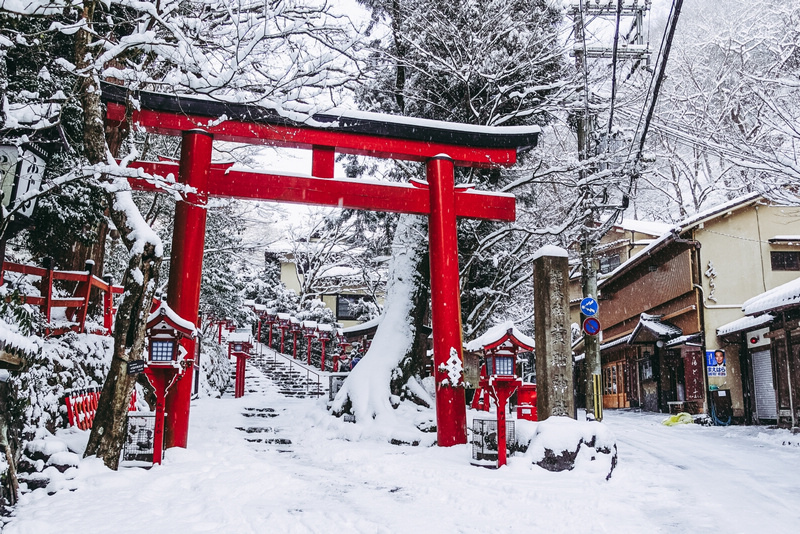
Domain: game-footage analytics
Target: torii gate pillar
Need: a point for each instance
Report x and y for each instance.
(186, 269)
(451, 408)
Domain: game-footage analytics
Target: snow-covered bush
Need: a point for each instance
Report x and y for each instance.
(67, 362)
(215, 367)
(315, 310)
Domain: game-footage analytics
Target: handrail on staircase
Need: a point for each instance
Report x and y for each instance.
(293, 363)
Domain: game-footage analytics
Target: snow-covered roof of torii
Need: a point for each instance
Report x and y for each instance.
(502, 335)
(334, 120)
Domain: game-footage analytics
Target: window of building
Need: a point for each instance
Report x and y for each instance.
(347, 308)
(785, 260)
(609, 263)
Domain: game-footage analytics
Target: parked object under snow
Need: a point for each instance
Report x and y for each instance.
(563, 444)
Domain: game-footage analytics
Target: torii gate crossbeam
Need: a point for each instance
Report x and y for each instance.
(440, 145)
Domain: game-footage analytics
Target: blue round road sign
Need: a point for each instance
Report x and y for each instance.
(589, 307)
(591, 326)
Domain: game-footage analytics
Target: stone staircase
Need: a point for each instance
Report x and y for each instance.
(291, 379)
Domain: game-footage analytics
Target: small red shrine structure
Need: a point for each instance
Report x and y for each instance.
(440, 145)
(240, 344)
(166, 362)
(499, 380)
(502, 340)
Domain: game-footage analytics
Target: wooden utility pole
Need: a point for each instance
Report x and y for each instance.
(632, 47)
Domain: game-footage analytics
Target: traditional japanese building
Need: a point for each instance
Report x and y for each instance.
(661, 310)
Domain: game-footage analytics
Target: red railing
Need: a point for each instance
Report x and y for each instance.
(82, 406)
(77, 305)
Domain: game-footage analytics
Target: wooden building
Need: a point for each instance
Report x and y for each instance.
(661, 309)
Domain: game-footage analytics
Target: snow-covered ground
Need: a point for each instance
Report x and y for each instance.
(308, 479)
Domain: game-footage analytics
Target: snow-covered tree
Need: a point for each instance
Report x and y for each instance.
(279, 53)
(484, 62)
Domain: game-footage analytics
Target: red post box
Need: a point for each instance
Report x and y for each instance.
(526, 402)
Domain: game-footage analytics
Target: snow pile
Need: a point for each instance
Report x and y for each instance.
(550, 250)
(564, 444)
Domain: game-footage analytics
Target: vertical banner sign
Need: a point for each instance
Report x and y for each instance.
(715, 362)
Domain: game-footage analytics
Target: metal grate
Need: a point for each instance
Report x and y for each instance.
(484, 439)
(139, 441)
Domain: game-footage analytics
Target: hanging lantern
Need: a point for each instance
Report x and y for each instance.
(22, 169)
(500, 365)
(164, 329)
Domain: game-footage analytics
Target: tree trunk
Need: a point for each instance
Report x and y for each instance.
(140, 280)
(398, 348)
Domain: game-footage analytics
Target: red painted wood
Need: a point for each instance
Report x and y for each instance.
(185, 273)
(451, 410)
(323, 161)
(306, 137)
(352, 194)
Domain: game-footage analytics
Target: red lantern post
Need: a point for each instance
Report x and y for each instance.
(294, 329)
(502, 383)
(284, 323)
(271, 319)
(239, 345)
(309, 332)
(166, 363)
(325, 335)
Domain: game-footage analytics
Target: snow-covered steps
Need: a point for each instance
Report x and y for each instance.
(290, 382)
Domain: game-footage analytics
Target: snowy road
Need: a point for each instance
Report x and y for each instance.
(265, 463)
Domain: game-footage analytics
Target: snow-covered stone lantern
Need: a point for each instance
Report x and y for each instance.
(166, 362)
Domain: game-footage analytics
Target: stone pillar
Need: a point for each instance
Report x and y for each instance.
(551, 321)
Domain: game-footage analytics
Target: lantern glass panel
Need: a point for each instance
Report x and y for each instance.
(504, 365)
(162, 351)
(237, 347)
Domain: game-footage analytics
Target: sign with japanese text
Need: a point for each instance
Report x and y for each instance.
(715, 363)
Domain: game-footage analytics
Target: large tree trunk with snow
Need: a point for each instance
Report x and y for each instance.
(388, 369)
(140, 280)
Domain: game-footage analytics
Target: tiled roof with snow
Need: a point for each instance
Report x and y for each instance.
(615, 343)
(495, 334)
(363, 326)
(675, 230)
(744, 323)
(783, 296)
(653, 228)
(164, 309)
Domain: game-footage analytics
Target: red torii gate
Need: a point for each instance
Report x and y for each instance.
(439, 144)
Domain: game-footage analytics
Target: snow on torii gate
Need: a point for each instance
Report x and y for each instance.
(440, 145)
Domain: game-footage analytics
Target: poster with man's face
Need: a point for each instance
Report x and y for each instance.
(715, 362)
